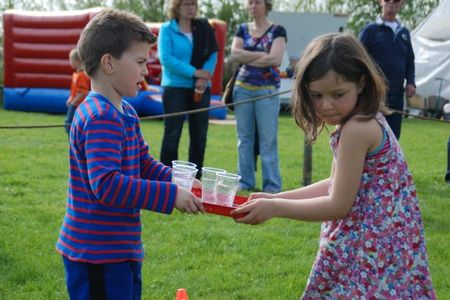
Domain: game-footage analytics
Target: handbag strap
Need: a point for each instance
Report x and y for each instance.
(254, 46)
(261, 37)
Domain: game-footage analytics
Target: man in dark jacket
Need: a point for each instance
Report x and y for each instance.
(389, 44)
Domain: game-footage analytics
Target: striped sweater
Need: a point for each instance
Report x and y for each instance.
(112, 177)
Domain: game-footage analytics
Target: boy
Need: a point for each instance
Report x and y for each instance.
(112, 175)
(79, 87)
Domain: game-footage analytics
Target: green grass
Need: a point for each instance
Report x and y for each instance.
(211, 256)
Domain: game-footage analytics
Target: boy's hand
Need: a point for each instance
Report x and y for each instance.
(188, 202)
(197, 184)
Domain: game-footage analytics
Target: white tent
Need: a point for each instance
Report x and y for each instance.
(431, 44)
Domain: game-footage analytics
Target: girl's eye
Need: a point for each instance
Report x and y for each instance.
(314, 96)
(338, 95)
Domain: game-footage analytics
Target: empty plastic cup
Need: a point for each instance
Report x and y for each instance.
(183, 163)
(183, 176)
(227, 186)
(209, 183)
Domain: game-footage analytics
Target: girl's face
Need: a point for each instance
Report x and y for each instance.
(256, 8)
(333, 98)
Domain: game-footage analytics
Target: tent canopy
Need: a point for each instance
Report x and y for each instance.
(431, 43)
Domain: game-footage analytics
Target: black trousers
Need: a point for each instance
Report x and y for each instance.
(395, 101)
(182, 99)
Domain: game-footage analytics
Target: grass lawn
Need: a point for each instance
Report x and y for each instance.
(211, 256)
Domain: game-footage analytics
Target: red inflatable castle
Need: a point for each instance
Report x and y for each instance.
(37, 73)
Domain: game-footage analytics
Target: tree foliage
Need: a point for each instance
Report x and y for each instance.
(362, 11)
(149, 10)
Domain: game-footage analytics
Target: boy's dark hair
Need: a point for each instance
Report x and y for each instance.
(110, 32)
(343, 54)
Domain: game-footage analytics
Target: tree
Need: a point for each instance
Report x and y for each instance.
(362, 12)
(149, 10)
(299, 6)
(230, 11)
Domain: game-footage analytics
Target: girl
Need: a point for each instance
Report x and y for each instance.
(372, 241)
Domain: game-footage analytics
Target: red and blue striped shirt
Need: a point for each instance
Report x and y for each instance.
(112, 177)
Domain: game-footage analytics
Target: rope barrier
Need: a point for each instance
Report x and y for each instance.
(198, 110)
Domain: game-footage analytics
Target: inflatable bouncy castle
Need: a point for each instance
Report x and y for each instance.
(37, 73)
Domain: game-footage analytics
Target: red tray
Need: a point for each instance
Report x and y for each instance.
(219, 209)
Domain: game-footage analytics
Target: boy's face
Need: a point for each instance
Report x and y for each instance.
(131, 69)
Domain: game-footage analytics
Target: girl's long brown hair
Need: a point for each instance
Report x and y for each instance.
(343, 54)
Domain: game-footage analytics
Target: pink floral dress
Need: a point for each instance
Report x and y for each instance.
(378, 250)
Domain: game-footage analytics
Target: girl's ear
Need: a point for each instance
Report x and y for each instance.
(106, 64)
(361, 84)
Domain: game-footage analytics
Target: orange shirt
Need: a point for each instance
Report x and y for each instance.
(81, 84)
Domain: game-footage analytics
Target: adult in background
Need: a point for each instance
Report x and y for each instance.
(389, 44)
(188, 53)
(259, 46)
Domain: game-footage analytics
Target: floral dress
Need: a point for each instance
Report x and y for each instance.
(378, 250)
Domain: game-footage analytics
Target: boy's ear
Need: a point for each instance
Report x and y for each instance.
(361, 84)
(106, 64)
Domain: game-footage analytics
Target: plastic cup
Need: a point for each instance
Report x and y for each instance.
(183, 176)
(183, 163)
(209, 183)
(227, 186)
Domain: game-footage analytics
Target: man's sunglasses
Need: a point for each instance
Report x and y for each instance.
(395, 1)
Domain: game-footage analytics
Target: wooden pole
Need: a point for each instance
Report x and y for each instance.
(307, 162)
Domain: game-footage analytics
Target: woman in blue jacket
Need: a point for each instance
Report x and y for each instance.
(188, 53)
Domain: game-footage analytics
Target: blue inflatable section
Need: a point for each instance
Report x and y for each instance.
(146, 103)
(36, 99)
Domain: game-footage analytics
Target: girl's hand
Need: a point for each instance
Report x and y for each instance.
(258, 211)
(260, 195)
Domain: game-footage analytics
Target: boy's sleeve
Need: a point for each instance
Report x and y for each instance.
(103, 149)
(151, 168)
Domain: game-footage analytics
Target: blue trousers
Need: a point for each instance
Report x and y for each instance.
(177, 100)
(115, 281)
(69, 117)
(264, 113)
